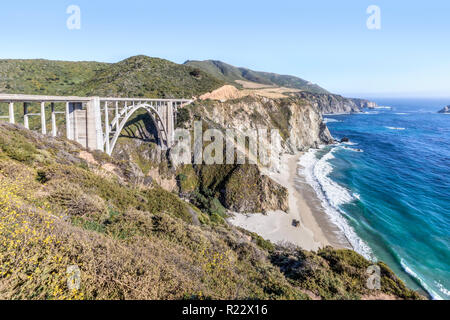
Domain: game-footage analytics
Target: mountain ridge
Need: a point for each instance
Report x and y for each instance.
(229, 73)
(328, 103)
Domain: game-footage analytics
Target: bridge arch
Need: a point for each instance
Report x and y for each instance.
(158, 120)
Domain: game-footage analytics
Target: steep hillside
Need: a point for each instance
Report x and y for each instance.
(134, 77)
(230, 74)
(142, 76)
(45, 76)
(61, 206)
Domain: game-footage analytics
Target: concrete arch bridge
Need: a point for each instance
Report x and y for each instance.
(95, 122)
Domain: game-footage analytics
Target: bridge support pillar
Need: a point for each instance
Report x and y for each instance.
(11, 113)
(54, 130)
(94, 125)
(170, 123)
(25, 115)
(107, 146)
(69, 128)
(43, 122)
(117, 115)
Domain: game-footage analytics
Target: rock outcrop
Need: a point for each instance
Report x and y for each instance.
(334, 104)
(445, 109)
(364, 104)
(246, 190)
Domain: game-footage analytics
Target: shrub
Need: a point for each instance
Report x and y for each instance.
(16, 147)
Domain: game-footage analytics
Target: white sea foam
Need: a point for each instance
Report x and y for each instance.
(395, 128)
(332, 196)
(434, 295)
(349, 143)
(329, 120)
(383, 107)
(401, 113)
(442, 288)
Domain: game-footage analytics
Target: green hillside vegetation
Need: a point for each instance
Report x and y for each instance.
(61, 206)
(138, 76)
(230, 74)
(142, 76)
(44, 76)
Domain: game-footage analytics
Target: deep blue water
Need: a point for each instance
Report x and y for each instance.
(402, 185)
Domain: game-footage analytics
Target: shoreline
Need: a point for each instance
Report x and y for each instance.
(315, 230)
(313, 211)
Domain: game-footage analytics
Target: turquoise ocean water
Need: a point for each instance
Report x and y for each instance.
(388, 189)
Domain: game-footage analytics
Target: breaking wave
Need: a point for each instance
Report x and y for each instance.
(332, 196)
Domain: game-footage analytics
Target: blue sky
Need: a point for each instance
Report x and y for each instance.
(326, 42)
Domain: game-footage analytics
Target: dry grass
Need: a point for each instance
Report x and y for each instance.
(252, 85)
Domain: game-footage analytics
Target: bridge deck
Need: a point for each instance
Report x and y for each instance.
(37, 98)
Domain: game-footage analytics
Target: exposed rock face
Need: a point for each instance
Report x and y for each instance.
(364, 104)
(445, 109)
(146, 161)
(300, 123)
(331, 103)
(248, 191)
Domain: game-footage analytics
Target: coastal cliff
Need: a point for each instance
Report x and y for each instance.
(335, 104)
(299, 124)
(298, 120)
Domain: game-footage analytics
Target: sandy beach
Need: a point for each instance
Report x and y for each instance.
(315, 230)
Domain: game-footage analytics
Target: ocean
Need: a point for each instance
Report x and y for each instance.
(388, 188)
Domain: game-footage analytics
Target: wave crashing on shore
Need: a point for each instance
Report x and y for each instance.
(316, 172)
